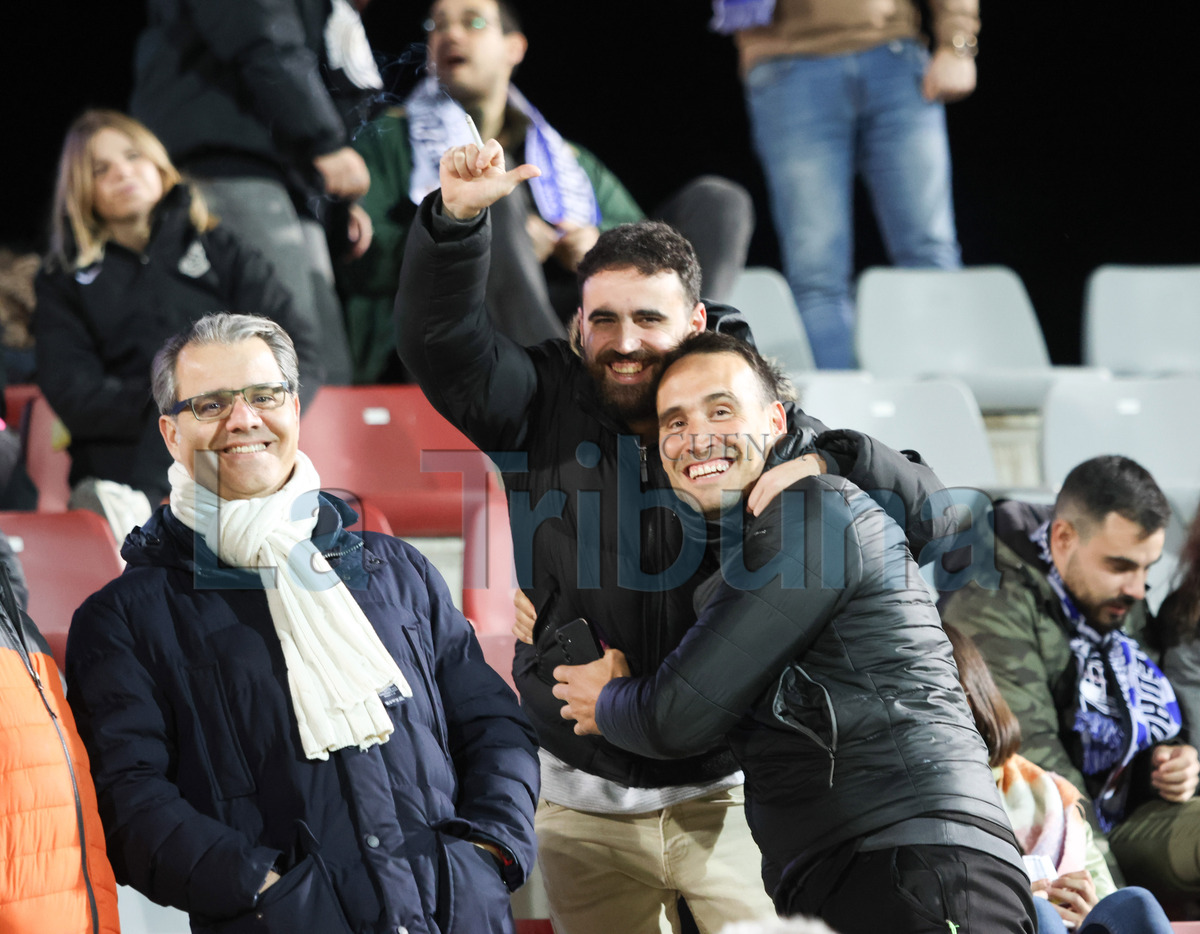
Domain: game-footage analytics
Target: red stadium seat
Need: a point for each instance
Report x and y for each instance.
(498, 652)
(17, 397)
(47, 468)
(534, 926)
(488, 581)
(382, 443)
(370, 516)
(66, 556)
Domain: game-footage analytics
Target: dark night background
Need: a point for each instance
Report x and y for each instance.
(1074, 151)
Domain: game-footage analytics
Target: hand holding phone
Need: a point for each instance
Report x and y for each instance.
(578, 642)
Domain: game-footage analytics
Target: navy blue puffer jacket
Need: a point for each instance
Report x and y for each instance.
(179, 686)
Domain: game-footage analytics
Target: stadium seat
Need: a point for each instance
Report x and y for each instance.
(974, 324)
(1154, 421)
(939, 418)
(67, 556)
(488, 574)
(1143, 320)
(764, 297)
(387, 445)
(17, 397)
(46, 459)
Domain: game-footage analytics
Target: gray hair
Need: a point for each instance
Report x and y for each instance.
(220, 328)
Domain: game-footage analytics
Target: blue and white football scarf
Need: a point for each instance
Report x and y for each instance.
(435, 123)
(731, 15)
(1125, 703)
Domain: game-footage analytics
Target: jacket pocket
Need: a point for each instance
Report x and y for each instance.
(471, 896)
(804, 705)
(226, 762)
(302, 900)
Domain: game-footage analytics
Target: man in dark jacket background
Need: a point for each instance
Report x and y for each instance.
(241, 94)
(819, 653)
(621, 836)
(291, 727)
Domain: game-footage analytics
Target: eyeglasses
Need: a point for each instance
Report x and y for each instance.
(471, 22)
(219, 404)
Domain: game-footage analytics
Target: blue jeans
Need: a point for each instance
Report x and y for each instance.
(1127, 911)
(819, 121)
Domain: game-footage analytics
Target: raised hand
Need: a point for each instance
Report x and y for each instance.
(473, 179)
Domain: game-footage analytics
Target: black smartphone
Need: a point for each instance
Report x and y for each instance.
(579, 644)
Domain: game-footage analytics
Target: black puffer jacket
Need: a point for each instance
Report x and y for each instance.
(589, 539)
(99, 328)
(833, 680)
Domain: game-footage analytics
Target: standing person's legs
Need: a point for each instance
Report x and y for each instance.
(261, 214)
(517, 296)
(1131, 910)
(335, 347)
(713, 861)
(717, 216)
(904, 158)
(606, 873)
(603, 872)
(803, 116)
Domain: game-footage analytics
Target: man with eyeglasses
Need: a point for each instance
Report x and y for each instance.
(290, 726)
(473, 48)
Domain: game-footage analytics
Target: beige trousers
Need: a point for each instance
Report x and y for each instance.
(623, 873)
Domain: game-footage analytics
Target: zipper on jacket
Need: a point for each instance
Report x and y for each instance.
(87, 879)
(784, 717)
(10, 607)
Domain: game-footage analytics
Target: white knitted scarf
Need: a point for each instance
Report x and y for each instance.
(337, 666)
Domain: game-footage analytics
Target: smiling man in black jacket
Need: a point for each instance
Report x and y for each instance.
(621, 836)
(819, 655)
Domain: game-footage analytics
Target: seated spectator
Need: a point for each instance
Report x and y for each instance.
(54, 874)
(819, 657)
(135, 257)
(542, 230)
(292, 729)
(1046, 817)
(1060, 636)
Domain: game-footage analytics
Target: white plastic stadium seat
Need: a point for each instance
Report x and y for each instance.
(975, 324)
(763, 295)
(1143, 320)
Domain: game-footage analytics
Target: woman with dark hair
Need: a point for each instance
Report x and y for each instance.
(1076, 890)
(135, 258)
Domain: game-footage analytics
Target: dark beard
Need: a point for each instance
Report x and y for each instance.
(626, 404)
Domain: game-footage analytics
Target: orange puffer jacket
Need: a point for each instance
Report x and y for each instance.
(47, 801)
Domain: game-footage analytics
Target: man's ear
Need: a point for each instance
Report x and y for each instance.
(1063, 536)
(169, 429)
(516, 45)
(778, 419)
(699, 317)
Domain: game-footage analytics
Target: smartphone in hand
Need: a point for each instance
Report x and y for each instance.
(578, 642)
